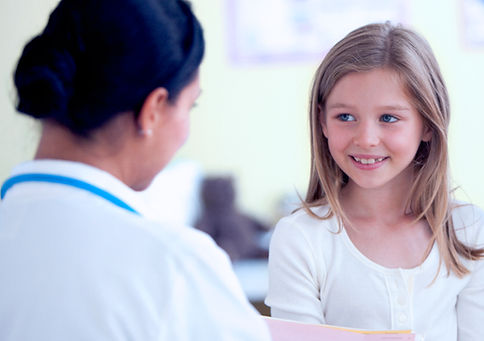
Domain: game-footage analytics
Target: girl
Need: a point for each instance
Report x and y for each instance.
(113, 82)
(379, 244)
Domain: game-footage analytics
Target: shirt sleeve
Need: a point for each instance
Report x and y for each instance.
(210, 303)
(294, 286)
(470, 302)
(470, 306)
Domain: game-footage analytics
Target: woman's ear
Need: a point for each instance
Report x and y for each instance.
(322, 120)
(152, 111)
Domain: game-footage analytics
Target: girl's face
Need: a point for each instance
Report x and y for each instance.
(373, 130)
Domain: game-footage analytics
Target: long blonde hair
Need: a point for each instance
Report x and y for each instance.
(405, 52)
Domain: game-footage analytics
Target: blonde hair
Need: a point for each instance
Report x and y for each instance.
(405, 52)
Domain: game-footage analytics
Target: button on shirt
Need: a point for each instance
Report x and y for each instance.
(73, 266)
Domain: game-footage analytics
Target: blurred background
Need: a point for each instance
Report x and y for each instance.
(250, 124)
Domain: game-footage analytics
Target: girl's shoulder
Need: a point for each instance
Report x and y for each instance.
(311, 221)
(304, 237)
(468, 223)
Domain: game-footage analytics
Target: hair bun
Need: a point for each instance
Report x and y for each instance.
(44, 79)
(96, 59)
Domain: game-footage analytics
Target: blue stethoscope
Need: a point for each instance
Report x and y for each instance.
(64, 180)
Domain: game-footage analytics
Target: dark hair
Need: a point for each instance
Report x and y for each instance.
(98, 58)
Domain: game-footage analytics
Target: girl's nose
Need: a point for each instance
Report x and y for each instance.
(366, 135)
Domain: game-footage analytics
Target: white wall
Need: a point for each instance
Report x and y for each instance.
(19, 21)
(251, 121)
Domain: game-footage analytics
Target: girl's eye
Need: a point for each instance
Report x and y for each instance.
(345, 117)
(387, 118)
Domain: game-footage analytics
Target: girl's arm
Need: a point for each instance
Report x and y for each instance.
(294, 273)
(470, 306)
(470, 302)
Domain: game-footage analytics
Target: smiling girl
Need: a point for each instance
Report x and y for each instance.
(379, 243)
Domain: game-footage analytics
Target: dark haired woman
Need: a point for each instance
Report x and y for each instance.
(113, 82)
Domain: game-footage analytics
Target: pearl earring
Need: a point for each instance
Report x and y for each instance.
(147, 132)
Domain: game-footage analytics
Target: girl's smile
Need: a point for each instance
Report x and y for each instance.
(373, 128)
(368, 162)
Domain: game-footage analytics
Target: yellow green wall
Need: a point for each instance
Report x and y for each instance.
(251, 121)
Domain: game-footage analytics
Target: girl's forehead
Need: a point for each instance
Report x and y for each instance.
(383, 73)
(377, 84)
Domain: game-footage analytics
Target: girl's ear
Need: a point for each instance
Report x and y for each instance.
(152, 111)
(322, 120)
(427, 134)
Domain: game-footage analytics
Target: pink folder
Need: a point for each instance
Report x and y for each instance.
(284, 330)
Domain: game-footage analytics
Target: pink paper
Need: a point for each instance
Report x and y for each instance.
(284, 330)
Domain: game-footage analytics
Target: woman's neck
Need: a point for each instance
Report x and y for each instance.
(57, 142)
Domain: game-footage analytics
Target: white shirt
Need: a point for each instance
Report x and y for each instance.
(73, 266)
(317, 275)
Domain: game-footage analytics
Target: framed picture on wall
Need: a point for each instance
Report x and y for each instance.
(291, 30)
(472, 23)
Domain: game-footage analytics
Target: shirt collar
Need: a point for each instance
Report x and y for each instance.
(84, 172)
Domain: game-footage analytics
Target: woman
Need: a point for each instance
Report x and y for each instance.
(113, 83)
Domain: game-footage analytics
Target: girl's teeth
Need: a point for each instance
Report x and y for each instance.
(367, 161)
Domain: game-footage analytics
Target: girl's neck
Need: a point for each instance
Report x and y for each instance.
(388, 203)
(379, 225)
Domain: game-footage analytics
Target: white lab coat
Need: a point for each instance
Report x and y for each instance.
(73, 266)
